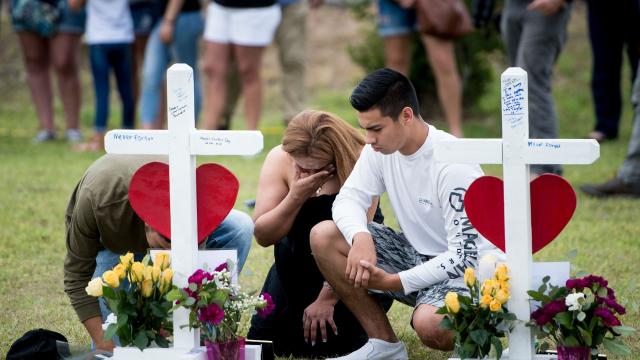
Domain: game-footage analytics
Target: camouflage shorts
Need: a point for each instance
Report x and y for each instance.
(395, 254)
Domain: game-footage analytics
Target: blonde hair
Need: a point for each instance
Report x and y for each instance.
(324, 136)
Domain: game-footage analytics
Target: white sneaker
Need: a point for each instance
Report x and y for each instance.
(376, 349)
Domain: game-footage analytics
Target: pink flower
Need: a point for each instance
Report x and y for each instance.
(608, 319)
(212, 314)
(268, 308)
(222, 267)
(198, 276)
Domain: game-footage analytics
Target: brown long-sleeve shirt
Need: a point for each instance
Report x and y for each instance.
(99, 217)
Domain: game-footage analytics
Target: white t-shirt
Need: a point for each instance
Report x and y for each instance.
(428, 201)
(109, 22)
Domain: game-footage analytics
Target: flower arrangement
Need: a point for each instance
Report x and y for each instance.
(480, 319)
(583, 313)
(135, 292)
(217, 305)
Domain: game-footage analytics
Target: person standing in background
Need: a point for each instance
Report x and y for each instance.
(59, 50)
(109, 35)
(612, 30)
(167, 44)
(534, 33)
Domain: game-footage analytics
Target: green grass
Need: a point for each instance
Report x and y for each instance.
(36, 182)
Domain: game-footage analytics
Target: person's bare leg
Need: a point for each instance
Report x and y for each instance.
(139, 46)
(64, 51)
(216, 67)
(442, 58)
(397, 53)
(426, 323)
(330, 250)
(35, 50)
(249, 61)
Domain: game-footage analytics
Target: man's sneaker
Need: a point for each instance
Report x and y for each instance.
(73, 135)
(44, 135)
(613, 187)
(376, 349)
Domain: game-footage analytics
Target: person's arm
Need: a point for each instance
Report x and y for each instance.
(463, 240)
(277, 203)
(372, 209)
(82, 243)
(93, 326)
(546, 7)
(169, 17)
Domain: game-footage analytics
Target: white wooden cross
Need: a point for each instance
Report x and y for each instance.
(182, 142)
(515, 151)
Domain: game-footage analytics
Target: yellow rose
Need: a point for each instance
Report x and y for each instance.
(155, 273)
(111, 278)
(495, 305)
(94, 288)
(162, 259)
(147, 287)
(504, 285)
(469, 277)
(502, 296)
(165, 280)
(121, 271)
(126, 260)
(137, 272)
(487, 287)
(502, 272)
(485, 300)
(451, 301)
(148, 273)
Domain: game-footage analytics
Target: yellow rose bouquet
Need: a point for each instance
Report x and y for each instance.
(135, 293)
(479, 319)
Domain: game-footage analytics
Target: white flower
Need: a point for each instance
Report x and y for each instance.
(573, 301)
(111, 319)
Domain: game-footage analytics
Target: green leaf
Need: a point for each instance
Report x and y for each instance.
(586, 336)
(602, 292)
(190, 301)
(564, 318)
(446, 323)
(174, 295)
(108, 293)
(497, 344)
(581, 316)
(111, 331)
(623, 330)
(146, 260)
(161, 341)
(193, 286)
(123, 319)
(479, 336)
(443, 310)
(141, 341)
(616, 346)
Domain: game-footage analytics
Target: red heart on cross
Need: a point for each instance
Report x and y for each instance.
(553, 202)
(216, 192)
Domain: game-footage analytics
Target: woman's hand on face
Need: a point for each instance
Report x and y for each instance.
(304, 187)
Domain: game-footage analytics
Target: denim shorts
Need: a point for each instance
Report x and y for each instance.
(72, 21)
(144, 18)
(394, 19)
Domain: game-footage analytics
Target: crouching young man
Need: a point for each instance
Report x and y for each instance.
(424, 262)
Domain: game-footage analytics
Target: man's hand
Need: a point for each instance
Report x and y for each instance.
(155, 240)
(362, 249)
(303, 188)
(546, 7)
(166, 31)
(105, 345)
(317, 315)
(380, 279)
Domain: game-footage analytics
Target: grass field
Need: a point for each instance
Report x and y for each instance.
(36, 181)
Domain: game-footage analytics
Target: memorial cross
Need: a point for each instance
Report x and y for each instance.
(182, 142)
(515, 151)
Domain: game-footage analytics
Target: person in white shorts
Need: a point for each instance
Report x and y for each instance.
(240, 29)
(428, 257)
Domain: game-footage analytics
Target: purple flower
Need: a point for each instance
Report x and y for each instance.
(212, 314)
(540, 317)
(577, 284)
(608, 319)
(555, 307)
(222, 267)
(611, 294)
(613, 305)
(268, 308)
(198, 276)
